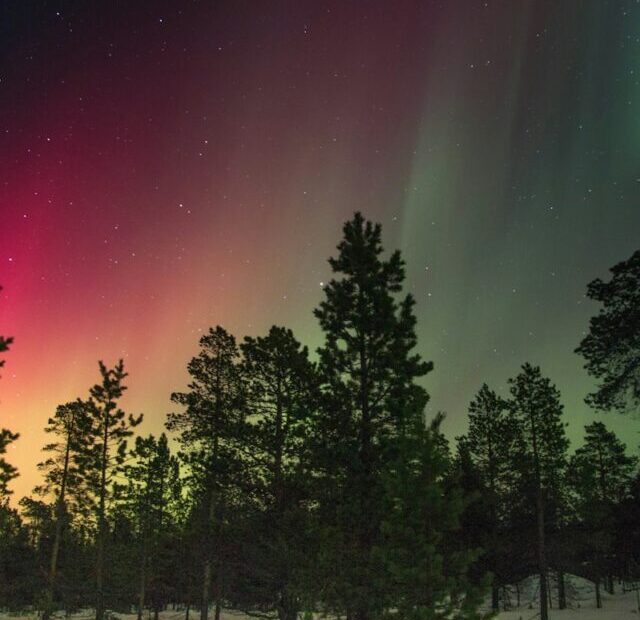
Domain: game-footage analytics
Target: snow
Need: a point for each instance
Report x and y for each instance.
(581, 602)
(623, 605)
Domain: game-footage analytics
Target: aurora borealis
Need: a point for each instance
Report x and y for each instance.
(168, 166)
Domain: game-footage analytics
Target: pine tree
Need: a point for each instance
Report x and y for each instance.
(536, 408)
(612, 346)
(488, 443)
(103, 458)
(426, 573)
(601, 474)
(152, 489)
(209, 427)
(19, 575)
(280, 384)
(368, 369)
(63, 478)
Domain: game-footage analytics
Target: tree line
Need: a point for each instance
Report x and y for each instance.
(300, 485)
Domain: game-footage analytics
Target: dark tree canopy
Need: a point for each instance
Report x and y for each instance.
(612, 346)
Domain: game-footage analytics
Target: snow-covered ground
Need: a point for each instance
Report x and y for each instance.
(581, 601)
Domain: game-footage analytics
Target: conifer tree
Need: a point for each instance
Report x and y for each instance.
(426, 573)
(209, 427)
(612, 346)
(280, 384)
(368, 369)
(488, 443)
(151, 491)
(62, 476)
(601, 477)
(103, 458)
(536, 408)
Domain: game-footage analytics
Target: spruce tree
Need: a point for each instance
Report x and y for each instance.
(536, 408)
(104, 456)
(612, 346)
(209, 427)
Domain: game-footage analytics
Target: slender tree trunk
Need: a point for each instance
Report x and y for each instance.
(598, 596)
(101, 523)
(186, 613)
(206, 581)
(542, 562)
(610, 584)
(495, 598)
(218, 608)
(365, 526)
(53, 566)
(143, 580)
(562, 595)
(211, 513)
(542, 566)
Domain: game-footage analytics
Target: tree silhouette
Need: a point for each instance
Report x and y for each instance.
(280, 384)
(151, 490)
(208, 430)
(63, 477)
(600, 475)
(535, 406)
(104, 456)
(489, 444)
(612, 346)
(368, 370)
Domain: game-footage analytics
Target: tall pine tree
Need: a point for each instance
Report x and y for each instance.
(601, 474)
(371, 423)
(148, 497)
(536, 408)
(488, 443)
(280, 383)
(63, 478)
(103, 458)
(209, 427)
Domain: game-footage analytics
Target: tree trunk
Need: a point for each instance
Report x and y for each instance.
(542, 565)
(610, 585)
(218, 608)
(143, 580)
(206, 580)
(186, 613)
(598, 597)
(495, 598)
(53, 566)
(562, 595)
(101, 523)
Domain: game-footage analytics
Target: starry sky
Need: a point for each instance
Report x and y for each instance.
(169, 166)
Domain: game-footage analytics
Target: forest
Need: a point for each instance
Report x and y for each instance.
(291, 483)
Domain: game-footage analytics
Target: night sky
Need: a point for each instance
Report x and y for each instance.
(169, 166)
